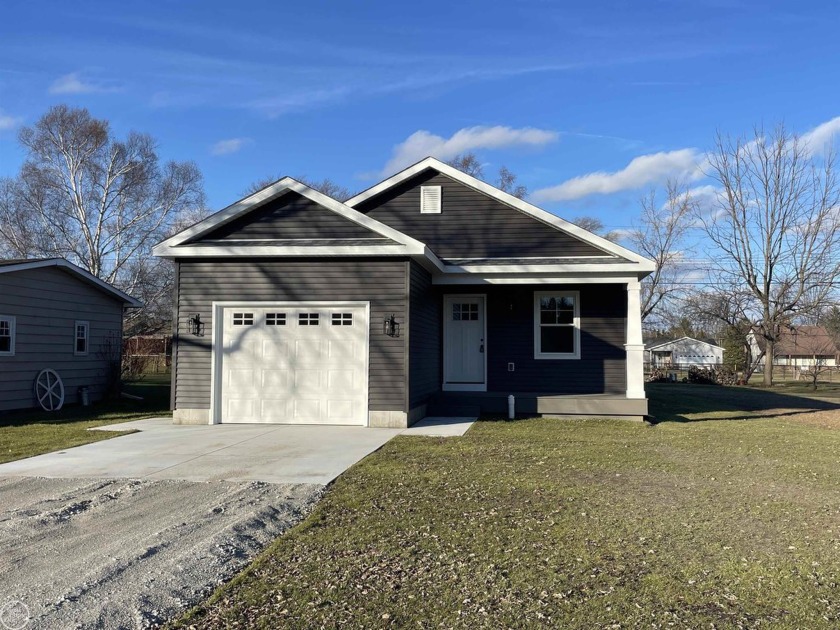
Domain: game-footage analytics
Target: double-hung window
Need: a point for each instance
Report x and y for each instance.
(80, 338)
(557, 325)
(7, 336)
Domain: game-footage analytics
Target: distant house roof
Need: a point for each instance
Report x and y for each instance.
(11, 265)
(803, 341)
(662, 345)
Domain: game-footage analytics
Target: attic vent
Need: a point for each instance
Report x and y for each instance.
(430, 199)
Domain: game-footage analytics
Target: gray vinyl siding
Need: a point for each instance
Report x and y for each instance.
(291, 216)
(382, 282)
(510, 338)
(425, 340)
(46, 304)
(471, 224)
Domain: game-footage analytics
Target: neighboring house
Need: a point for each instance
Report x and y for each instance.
(685, 351)
(56, 315)
(800, 346)
(431, 293)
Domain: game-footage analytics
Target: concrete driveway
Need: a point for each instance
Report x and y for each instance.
(226, 452)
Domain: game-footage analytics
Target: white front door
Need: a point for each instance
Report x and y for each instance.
(464, 343)
(293, 363)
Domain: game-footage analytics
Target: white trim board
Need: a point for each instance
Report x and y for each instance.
(78, 271)
(532, 278)
(646, 266)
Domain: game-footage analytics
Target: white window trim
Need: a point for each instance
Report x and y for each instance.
(538, 354)
(431, 209)
(12, 326)
(76, 325)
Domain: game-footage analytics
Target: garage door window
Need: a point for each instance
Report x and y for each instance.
(342, 319)
(243, 319)
(308, 319)
(275, 319)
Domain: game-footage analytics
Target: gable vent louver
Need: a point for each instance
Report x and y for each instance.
(430, 199)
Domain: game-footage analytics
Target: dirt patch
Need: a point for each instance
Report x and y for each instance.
(130, 553)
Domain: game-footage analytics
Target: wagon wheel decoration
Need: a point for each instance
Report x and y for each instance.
(49, 390)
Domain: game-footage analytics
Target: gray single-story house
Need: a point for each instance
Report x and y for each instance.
(684, 351)
(55, 315)
(431, 293)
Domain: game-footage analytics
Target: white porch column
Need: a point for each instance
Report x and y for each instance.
(635, 346)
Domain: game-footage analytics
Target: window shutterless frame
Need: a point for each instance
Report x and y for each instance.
(81, 338)
(538, 325)
(7, 335)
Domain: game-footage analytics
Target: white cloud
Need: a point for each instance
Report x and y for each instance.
(422, 143)
(641, 171)
(9, 122)
(231, 145)
(822, 136)
(73, 83)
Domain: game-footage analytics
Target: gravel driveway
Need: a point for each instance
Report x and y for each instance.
(130, 553)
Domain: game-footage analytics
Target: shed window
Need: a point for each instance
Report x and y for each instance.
(7, 336)
(80, 343)
(430, 199)
(557, 325)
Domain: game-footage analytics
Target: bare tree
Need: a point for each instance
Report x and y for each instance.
(821, 347)
(326, 186)
(776, 229)
(468, 163)
(505, 181)
(728, 312)
(660, 236)
(596, 226)
(830, 318)
(100, 202)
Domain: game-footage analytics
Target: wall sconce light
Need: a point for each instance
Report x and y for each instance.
(390, 327)
(196, 325)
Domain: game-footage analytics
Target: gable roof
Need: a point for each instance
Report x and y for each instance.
(802, 341)
(644, 265)
(662, 344)
(396, 243)
(617, 264)
(24, 264)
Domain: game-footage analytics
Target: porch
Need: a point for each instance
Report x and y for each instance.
(537, 404)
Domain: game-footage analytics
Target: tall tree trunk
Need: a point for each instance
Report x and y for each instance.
(768, 363)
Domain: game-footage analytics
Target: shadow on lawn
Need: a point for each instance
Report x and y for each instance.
(677, 402)
(155, 400)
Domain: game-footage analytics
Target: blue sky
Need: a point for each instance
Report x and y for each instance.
(566, 95)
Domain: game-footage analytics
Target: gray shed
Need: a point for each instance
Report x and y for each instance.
(56, 315)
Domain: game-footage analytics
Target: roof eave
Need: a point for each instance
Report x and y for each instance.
(82, 274)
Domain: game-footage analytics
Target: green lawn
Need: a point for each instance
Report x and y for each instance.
(725, 514)
(28, 433)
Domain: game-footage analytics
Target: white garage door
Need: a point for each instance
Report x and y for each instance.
(301, 364)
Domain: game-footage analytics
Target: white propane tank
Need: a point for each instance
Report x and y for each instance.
(511, 407)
